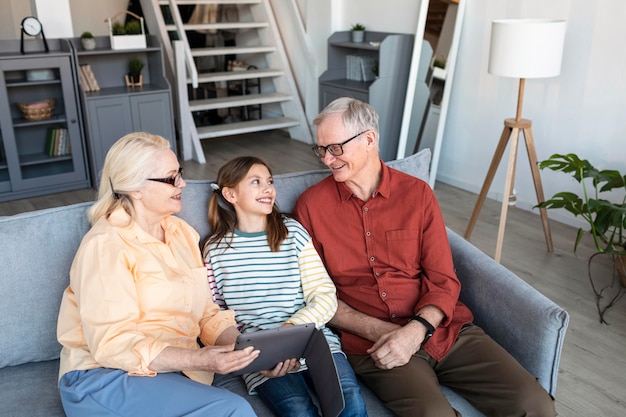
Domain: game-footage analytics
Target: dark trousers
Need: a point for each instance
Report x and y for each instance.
(476, 367)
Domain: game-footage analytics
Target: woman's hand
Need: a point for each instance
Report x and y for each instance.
(282, 368)
(219, 359)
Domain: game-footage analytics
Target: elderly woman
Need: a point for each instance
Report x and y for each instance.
(138, 301)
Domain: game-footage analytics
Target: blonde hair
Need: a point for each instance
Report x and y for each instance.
(127, 165)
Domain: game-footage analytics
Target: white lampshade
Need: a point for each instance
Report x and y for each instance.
(526, 48)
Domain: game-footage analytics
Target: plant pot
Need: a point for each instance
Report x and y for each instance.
(133, 80)
(88, 43)
(358, 35)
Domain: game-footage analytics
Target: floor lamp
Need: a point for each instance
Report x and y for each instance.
(520, 48)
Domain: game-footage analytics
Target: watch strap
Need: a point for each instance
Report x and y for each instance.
(430, 329)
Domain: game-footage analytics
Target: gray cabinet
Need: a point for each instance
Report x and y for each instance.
(390, 54)
(30, 165)
(115, 109)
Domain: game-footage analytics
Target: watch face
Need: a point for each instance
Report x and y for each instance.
(31, 26)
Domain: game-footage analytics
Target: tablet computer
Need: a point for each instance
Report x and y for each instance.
(276, 345)
(300, 341)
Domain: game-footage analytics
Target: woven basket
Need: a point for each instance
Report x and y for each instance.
(40, 110)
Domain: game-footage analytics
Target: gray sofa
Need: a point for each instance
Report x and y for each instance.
(36, 250)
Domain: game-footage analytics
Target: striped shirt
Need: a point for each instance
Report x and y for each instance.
(267, 289)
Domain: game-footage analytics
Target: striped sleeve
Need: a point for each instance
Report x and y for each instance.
(319, 291)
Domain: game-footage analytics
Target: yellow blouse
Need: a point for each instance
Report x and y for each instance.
(131, 295)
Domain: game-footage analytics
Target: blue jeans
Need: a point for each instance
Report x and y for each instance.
(104, 392)
(289, 396)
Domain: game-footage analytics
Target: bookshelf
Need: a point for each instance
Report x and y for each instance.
(384, 88)
(35, 77)
(112, 109)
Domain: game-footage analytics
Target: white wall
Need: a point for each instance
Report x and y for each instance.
(87, 15)
(581, 111)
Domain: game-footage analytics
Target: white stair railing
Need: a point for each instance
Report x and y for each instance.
(180, 30)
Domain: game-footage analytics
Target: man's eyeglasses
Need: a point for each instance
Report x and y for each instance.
(335, 149)
(173, 181)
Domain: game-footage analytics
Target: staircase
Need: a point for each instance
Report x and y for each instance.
(231, 74)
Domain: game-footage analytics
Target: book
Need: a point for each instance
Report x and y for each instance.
(84, 84)
(91, 78)
(88, 78)
(367, 63)
(49, 148)
(57, 142)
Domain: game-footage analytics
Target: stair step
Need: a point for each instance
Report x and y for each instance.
(238, 128)
(220, 26)
(209, 77)
(232, 50)
(188, 2)
(237, 101)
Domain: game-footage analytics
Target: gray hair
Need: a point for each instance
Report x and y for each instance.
(357, 115)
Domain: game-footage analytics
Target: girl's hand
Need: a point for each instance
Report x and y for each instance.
(282, 368)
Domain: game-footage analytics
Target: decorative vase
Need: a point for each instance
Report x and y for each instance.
(88, 43)
(358, 35)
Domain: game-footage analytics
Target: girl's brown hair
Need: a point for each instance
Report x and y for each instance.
(222, 216)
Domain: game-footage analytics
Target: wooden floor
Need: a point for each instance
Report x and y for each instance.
(592, 379)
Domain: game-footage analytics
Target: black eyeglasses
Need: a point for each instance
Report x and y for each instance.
(335, 149)
(173, 181)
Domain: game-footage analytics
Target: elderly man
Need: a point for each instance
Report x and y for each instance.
(382, 238)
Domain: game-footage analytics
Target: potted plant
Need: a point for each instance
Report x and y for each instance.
(606, 219)
(134, 78)
(127, 36)
(358, 32)
(88, 41)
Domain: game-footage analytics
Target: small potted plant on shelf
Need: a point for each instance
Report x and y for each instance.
(87, 41)
(134, 77)
(358, 32)
(130, 35)
(606, 219)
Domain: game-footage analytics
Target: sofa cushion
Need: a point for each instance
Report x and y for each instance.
(37, 250)
(288, 187)
(30, 390)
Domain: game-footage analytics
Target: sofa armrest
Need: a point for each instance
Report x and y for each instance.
(522, 320)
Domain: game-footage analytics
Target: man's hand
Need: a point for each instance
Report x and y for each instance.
(353, 321)
(396, 348)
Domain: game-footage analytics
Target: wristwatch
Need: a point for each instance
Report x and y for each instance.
(430, 329)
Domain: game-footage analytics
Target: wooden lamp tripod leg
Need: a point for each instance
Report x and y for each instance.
(508, 187)
(534, 169)
(495, 161)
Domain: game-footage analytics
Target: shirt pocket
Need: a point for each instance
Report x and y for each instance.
(402, 251)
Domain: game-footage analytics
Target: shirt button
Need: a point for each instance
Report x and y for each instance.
(377, 274)
(367, 233)
(393, 316)
(365, 209)
(372, 258)
(183, 339)
(384, 294)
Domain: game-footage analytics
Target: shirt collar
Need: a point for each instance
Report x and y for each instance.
(120, 219)
(383, 189)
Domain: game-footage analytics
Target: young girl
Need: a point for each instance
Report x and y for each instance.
(264, 267)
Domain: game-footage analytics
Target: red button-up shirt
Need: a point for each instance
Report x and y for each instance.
(388, 256)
